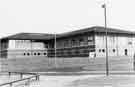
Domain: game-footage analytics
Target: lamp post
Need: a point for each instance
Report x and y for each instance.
(55, 50)
(107, 66)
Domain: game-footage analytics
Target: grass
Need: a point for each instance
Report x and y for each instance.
(43, 64)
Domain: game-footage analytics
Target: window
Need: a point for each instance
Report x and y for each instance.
(34, 53)
(44, 53)
(126, 52)
(73, 42)
(66, 43)
(103, 50)
(38, 53)
(77, 52)
(90, 43)
(28, 54)
(114, 50)
(81, 42)
(90, 38)
(99, 50)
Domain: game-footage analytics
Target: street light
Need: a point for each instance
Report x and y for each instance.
(107, 66)
(55, 50)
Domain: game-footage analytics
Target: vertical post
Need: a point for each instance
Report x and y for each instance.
(107, 66)
(55, 52)
(10, 84)
(37, 78)
(0, 48)
(31, 47)
(117, 47)
(28, 83)
(134, 61)
(9, 73)
(21, 75)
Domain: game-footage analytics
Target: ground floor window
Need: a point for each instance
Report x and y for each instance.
(126, 52)
(103, 50)
(28, 54)
(114, 50)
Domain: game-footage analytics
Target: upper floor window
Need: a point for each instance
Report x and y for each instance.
(90, 38)
(66, 43)
(81, 42)
(73, 42)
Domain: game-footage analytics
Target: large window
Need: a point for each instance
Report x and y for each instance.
(81, 42)
(90, 40)
(73, 42)
(66, 44)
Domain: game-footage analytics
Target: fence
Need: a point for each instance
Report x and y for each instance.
(27, 80)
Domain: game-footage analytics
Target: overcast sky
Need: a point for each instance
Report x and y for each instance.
(56, 16)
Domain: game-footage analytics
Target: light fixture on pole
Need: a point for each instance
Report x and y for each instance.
(107, 65)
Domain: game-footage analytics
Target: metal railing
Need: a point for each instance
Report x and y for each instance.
(28, 79)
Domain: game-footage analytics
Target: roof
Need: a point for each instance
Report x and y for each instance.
(30, 36)
(96, 29)
(43, 36)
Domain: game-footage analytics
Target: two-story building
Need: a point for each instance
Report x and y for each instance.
(77, 43)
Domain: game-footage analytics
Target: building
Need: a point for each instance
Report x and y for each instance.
(25, 45)
(79, 43)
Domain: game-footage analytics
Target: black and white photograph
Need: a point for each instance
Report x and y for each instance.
(67, 43)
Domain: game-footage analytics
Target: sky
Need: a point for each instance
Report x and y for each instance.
(58, 16)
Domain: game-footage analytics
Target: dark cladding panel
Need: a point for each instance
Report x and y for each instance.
(82, 51)
(4, 47)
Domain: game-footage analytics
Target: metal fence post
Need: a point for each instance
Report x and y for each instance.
(21, 75)
(9, 73)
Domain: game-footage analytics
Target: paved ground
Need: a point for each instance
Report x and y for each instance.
(88, 81)
(83, 80)
(86, 73)
(61, 81)
(105, 81)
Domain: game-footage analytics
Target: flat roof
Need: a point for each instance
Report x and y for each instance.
(96, 29)
(30, 36)
(44, 36)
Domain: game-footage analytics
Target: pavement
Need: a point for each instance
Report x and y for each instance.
(88, 79)
(88, 73)
(105, 81)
